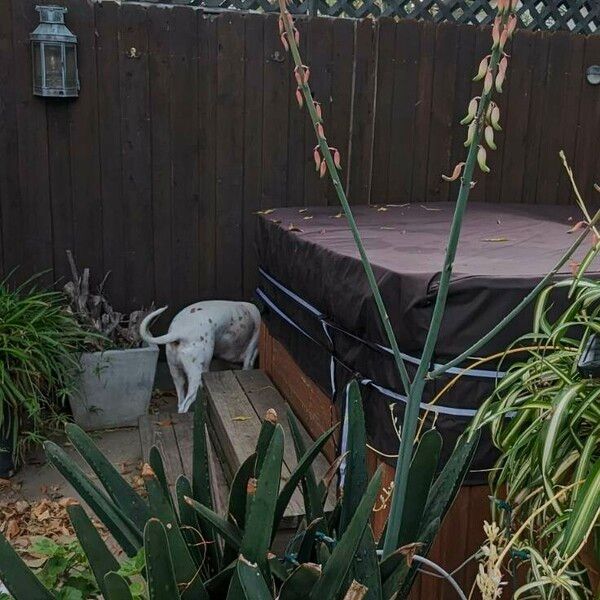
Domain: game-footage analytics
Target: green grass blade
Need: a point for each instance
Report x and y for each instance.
(300, 583)
(356, 478)
(117, 488)
(123, 530)
(337, 568)
(257, 534)
(99, 556)
(420, 477)
(201, 483)
(116, 588)
(228, 531)
(17, 577)
(253, 583)
(160, 574)
(156, 463)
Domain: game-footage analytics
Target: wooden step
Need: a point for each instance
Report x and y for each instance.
(236, 404)
(173, 435)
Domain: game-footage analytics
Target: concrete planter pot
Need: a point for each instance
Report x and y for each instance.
(114, 387)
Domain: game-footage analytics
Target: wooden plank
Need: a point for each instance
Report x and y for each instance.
(10, 191)
(361, 153)
(423, 112)
(231, 417)
(555, 113)
(385, 109)
(299, 151)
(230, 155)
(185, 184)
(514, 116)
(61, 196)
(253, 101)
(536, 124)
(157, 430)
(402, 134)
(85, 154)
(341, 97)
(277, 75)
(442, 112)
(36, 217)
(466, 67)
(587, 159)
(207, 108)
(136, 165)
(159, 76)
(318, 57)
(109, 115)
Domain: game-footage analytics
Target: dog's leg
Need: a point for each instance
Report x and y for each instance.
(252, 348)
(195, 360)
(177, 374)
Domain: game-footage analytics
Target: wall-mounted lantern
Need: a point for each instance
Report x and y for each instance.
(54, 53)
(593, 75)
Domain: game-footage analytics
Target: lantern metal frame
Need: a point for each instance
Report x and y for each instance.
(53, 33)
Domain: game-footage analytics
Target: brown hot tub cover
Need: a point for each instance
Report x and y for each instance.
(318, 303)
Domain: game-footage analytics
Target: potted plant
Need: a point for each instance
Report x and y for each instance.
(40, 341)
(116, 375)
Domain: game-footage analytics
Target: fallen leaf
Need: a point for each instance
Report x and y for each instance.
(292, 227)
(303, 210)
(241, 418)
(398, 205)
(308, 218)
(382, 209)
(165, 423)
(266, 211)
(337, 216)
(431, 208)
(496, 239)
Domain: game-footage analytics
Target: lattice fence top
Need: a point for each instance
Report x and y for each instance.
(580, 16)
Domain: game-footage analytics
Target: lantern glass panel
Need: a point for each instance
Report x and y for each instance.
(54, 66)
(37, 66)
(71, 80)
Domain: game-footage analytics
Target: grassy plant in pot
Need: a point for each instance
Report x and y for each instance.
(40, 340)
(117, 371)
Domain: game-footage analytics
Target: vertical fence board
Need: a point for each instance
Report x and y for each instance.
(136, 166)
(556, 92)
(514, 116)
(207, 101)
(318, 58)
(230, 155)
(184, 155)
(109, 116)
(385, 115)
(361, 153)
(85, 157)
(253, 105)
(61, 195)
(159, 72)
(10, 191)
(442, 111)
(403, 135)
(341, 96)
(36, 214)
(299, 151)
(423, 112)
(277, 75)
(587, 169)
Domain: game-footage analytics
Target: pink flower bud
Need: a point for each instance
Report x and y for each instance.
(500, 81)
(455, 174)
(496, 32)
(320, 131)
(299, 98)
(512, 24)
(281, 25)
(323, 169)
(298, 76)
(284, 43)
(336, 158)
(489, 80)
(483, 67)
(318, 109)
(317, 157)
(503, 38)
(296, 36)
(481, 159)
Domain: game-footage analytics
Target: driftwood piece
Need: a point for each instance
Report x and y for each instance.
(97, 315)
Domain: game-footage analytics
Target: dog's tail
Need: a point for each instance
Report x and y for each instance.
(148, 337)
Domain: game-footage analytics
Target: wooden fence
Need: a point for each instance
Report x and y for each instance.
(187, 125)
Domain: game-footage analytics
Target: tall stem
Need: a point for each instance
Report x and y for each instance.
(341, 194)
(411, 415)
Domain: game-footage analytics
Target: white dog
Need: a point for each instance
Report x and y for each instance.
(228, 330)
